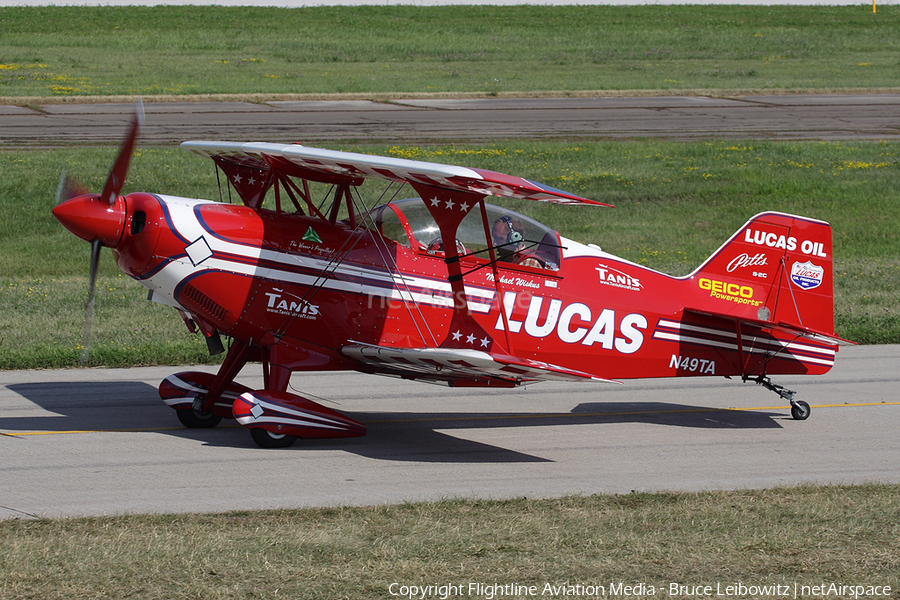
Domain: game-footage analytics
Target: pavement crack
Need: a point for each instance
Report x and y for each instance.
(20, 512)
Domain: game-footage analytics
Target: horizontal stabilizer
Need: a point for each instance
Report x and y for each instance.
(787, 328)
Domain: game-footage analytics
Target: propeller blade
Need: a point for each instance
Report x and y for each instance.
(116, 178)
(69, 188)
(60, 189)
(89, 311)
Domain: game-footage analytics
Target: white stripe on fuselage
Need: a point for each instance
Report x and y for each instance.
(381, 282)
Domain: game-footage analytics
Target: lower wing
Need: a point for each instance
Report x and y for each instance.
(460, 367)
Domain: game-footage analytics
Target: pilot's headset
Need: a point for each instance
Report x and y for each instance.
(512, 236)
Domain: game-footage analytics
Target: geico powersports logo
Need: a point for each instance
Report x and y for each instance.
(732, 292)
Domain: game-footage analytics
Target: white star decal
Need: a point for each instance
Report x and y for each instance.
(485, 342)
(456, 336)
(251, 181)
(470, 339)
(449, 203)
(237, 178)
(435, 201)
(464, 207)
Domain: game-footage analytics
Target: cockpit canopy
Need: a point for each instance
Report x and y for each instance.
(409, 223)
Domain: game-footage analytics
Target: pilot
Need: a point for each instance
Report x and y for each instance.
(508, 234)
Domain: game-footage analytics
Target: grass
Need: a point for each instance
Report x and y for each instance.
(803, 536)
(72, 52)
(676, 202)
(43, 326)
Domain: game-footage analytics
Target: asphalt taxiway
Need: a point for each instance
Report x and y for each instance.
(787, 117)
(100, 442)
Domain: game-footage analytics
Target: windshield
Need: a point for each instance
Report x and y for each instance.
(515, 238)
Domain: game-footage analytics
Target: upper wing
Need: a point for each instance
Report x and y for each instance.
(460, 365)
(317, 164)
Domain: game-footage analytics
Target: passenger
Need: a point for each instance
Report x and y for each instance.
(436, 246)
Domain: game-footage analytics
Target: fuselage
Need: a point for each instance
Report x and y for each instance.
(314, 286)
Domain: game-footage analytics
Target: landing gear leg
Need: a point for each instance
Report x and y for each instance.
(799, 409)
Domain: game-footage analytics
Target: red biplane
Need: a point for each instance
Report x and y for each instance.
(442, 286)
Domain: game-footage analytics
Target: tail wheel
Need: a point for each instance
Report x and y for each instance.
(193, 418)
(800, 410)
(266, 439)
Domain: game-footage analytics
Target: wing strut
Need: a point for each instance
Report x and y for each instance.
(497, 279)
(338, 256)
(449, 208)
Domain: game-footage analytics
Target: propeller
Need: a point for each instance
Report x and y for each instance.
(116, 178)
(89, 309)
(69, 188)
(99, 219)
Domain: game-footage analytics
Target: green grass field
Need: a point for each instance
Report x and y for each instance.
(807, 536)
(66, 52)
(675, 204)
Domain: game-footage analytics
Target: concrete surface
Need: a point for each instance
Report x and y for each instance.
(100, 442)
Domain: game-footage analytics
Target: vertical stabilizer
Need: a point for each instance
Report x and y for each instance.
(776, 269)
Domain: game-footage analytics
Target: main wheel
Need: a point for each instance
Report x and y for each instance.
(197, 419)
(800, 410)
(266, 439)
